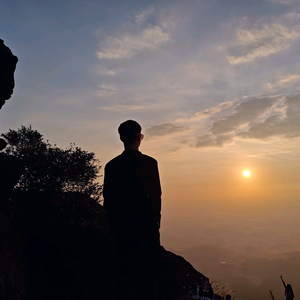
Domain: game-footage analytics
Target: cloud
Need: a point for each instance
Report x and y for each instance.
(106, 90)
(194, 79)
(127, 46)
(142, 16)
(211, 111)
(256, 118)
(285, 124)
(283, 81)
(287, 2)
(122, 107)
(289, 78)
(259, 42)
(245, 113)
(209, 140)
(164, 129)
(263, 119)
(224, 130)
(104, 71)
(292, 16)
(263, 130)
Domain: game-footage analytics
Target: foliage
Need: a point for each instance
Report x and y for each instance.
(221, 291)
(271, 295)
(52, 169)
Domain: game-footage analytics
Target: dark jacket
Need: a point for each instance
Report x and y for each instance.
(132, 192)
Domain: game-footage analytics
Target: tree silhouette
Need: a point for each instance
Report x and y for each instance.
(50, 168)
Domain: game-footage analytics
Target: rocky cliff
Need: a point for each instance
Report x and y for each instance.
(59, 247)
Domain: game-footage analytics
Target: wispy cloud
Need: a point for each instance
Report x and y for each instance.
(201, 81)
(259, 119)
(128, 45)
(291, 16)
(224, 130)
(211, 111)
(289, 78)
(196, 79)
(245, 113)
(143, 15)
(106, 90)
(255, 118)
(164, 129)
(285, 124)
(210, 140)
(104, 71)
(122, 107)
(284, 81)
(287, 2)
(259, 42)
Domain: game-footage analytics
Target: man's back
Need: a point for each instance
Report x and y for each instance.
(132, 192)
(132, 200)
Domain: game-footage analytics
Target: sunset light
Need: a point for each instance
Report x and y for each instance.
(150, 149)
(246, 173)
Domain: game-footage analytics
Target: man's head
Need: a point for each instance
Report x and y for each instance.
(130, 134)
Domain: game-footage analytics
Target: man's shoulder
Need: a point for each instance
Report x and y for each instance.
(149, 159)
(113, 161)
(120, 159)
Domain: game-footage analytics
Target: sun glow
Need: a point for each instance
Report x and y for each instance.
(246, 173)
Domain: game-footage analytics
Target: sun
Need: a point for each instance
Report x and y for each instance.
(246, 173)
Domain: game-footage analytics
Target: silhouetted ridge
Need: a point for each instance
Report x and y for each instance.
(174, 271)
(59, 247)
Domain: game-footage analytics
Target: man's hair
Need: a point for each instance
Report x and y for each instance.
(129, 130)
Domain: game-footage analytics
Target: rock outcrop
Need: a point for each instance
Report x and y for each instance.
(8, 63)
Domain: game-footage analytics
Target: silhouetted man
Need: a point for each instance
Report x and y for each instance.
(132, 199)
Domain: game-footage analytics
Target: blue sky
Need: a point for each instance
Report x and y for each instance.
(214, 84)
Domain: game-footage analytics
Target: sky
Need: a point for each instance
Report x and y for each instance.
(213, 83)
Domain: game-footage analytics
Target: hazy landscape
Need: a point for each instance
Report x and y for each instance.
(247, 256)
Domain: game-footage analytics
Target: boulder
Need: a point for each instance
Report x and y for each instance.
(8, 63)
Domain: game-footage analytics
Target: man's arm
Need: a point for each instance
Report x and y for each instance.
(155, 194)
(107, 188)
